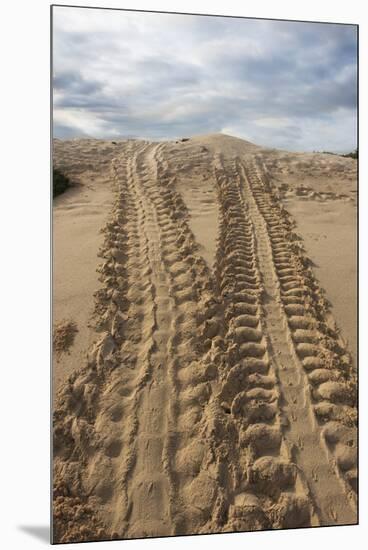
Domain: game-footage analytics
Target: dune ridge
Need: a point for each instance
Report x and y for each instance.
(219, 394)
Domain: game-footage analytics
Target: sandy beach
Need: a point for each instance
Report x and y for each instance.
(208, 382)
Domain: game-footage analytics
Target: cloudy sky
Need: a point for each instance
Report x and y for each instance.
(160, 76)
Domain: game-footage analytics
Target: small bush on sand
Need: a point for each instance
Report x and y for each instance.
(60, 182)
(353, 155)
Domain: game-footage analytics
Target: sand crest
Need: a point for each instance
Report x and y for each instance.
(209, 387)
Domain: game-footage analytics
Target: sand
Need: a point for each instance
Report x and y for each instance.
(330, 237)
(78, 217)
(211, 385)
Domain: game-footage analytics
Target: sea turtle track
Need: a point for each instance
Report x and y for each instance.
(314, 369)
(211, 402)
(128, 426)
(267, 488)
(171, 403)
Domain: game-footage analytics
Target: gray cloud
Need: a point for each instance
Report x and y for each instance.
(64, 131)
(283, 84)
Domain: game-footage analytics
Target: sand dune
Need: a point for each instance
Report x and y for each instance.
(213, 390)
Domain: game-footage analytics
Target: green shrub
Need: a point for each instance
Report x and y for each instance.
(60, 182)
(353, 155)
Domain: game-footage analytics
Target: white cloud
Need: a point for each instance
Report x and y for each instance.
(272, 122)
(284, 84)
(83, 122)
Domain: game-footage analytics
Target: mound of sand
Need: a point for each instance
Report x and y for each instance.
(63, 336)
(209, 387)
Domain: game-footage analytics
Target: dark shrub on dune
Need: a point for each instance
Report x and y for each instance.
(353, 155)
(60, 182)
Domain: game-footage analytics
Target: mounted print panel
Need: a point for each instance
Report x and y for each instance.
(204, 274)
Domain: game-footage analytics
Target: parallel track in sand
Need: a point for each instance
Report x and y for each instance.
(212, 402)
(303, 433)
(147, 481)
